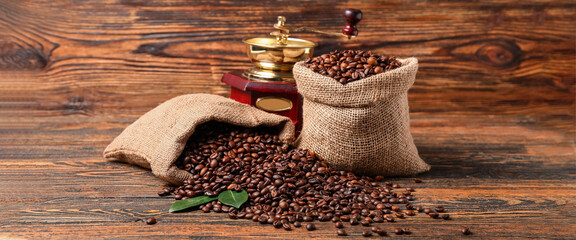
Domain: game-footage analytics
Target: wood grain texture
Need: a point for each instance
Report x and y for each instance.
(492, 109)
(489, 56)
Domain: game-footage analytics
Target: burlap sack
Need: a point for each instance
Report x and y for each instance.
(362, 126)
(157, 138)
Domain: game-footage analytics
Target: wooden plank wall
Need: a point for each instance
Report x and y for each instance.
(123, 57)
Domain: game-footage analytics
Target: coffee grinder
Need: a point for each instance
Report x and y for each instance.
(269, 84)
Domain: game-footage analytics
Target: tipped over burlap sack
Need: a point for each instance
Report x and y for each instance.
(156, 139)
(362, 126)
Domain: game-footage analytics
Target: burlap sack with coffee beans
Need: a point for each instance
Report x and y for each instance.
(362, 126)
(156, 139)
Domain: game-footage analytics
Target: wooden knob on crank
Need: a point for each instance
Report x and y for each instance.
(352, 17)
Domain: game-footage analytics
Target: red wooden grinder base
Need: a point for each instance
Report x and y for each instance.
(250, 92)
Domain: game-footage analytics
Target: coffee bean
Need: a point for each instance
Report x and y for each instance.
(465, 231)
(366, 233)
(278, 182)
(445, 216)
(417, 180)
(225, 209)
(409, 206)
(206, 209)
(427, 210)
(151, 221)
(164, 192)
(286, 226)
(433, 215)
(338, 225)
(190, 193)
(277, 224)
(283, 205)
(388, 218)
(297, 224)
(310, 227)
(372, 61)
(439, 208)
(354, 221)
(378, 231)
(398, 231)
(178, 196)
(323, 218)
(341, 232)
(406, 231)
(263, 219)
(368, 219)
(270, 220)
(213, 163)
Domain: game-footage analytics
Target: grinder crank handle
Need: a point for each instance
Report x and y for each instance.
(352, 17)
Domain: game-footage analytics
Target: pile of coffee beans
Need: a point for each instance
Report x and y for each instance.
(286, 187)
(351, 65)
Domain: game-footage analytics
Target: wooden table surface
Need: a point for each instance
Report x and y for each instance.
(492, 110)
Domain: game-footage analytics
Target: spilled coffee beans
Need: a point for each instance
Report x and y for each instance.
(285, 187)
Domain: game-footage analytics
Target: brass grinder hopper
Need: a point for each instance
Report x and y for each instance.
(274, 58)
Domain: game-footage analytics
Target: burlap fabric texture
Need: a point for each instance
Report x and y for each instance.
(362, 126)
(157, 138)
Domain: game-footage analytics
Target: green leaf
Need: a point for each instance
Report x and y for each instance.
(190, 202)
(233, 198)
